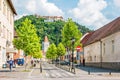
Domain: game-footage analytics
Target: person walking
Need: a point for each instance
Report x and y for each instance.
(10, 64)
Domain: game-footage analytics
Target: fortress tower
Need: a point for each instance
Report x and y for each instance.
(45, 45)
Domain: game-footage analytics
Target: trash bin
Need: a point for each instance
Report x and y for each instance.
(4, 66)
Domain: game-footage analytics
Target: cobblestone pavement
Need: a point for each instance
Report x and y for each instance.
(51, 72)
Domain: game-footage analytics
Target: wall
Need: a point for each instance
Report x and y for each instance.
(6, 28)
(110, 52)
(92, 52)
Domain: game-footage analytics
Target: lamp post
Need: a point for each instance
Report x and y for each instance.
(73, 41)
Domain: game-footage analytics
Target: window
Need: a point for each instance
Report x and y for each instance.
(94, 58)
(7, 35)
(10, 18)
(10, 36)
(4, 8)
(89, 58)
(8, 14)
(0, 4)
(113, 46)
(104, 48)
(0, 29)
(4, 32)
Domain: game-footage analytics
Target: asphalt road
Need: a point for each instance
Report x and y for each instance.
(51, 72)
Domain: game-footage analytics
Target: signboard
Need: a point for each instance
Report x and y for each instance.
(78, 48)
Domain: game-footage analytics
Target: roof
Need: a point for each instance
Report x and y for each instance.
(86, 37)
(12, 7)
(102, 32)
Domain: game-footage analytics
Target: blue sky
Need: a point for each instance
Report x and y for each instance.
(91, 13)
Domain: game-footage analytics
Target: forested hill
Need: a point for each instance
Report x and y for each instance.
(51, 29)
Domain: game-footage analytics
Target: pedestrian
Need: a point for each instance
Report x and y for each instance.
(32, 63)
(83, 62)
(10, 64)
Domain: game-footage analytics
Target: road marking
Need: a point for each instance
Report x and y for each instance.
(30, 73)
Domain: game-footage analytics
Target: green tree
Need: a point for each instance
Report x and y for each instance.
(38, 55)
(69, 31)
(60, 50)
(51, 52)
(27, 39)
(51, 29)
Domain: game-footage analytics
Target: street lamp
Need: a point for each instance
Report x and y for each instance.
(72, 41)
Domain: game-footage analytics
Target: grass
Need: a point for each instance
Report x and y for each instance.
(26, 71)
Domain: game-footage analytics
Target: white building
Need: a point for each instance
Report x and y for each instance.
(7, 12)
(102, 47)
(45, 45)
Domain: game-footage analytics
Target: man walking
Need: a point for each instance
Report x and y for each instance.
(10, 64)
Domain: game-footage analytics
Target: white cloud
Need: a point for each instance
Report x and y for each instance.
(88, 12)
(20, 16)
(43, 7)
(117, 3)
(32, 6)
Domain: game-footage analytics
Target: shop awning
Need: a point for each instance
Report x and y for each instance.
(11, 50)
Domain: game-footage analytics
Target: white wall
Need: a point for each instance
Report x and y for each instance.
(7, 22)
(109, 55)
(92, 50)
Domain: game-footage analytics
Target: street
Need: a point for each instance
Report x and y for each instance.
(51, 72)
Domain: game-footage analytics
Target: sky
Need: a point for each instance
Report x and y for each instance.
(90, 13)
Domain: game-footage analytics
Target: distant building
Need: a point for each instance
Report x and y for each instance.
(45, 45)
(19, 53)
(7, 12)
(50, 18)
(102, 47)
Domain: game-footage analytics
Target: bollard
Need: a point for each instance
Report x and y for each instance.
(88, 72)
(110, 73)
(40, 68)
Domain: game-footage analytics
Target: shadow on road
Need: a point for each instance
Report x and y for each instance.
(94, 69)
(7, 71)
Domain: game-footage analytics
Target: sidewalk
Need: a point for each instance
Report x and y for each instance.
(91, 71)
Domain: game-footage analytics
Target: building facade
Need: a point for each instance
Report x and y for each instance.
(7, 13)
(50, 18)
(102, 47)
(45, 46)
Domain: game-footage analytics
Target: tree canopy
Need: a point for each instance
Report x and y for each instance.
(51, 52)
(70, 31)
(27, 39)
(51, 29)
(61, 50)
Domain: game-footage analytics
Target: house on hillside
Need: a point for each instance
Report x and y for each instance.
(102, 47)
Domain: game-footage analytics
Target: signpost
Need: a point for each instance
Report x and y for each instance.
(78, 48)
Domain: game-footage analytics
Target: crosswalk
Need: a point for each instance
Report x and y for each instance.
(54, 72)
(51, 72)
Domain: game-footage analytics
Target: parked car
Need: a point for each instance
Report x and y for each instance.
(20, 61)
(64, 63)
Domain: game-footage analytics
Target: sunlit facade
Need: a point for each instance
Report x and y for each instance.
(7, 13)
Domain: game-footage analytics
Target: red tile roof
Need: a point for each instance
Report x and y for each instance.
(86, 37)
(103, 32)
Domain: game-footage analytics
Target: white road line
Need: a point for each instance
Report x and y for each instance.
(30, 73)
